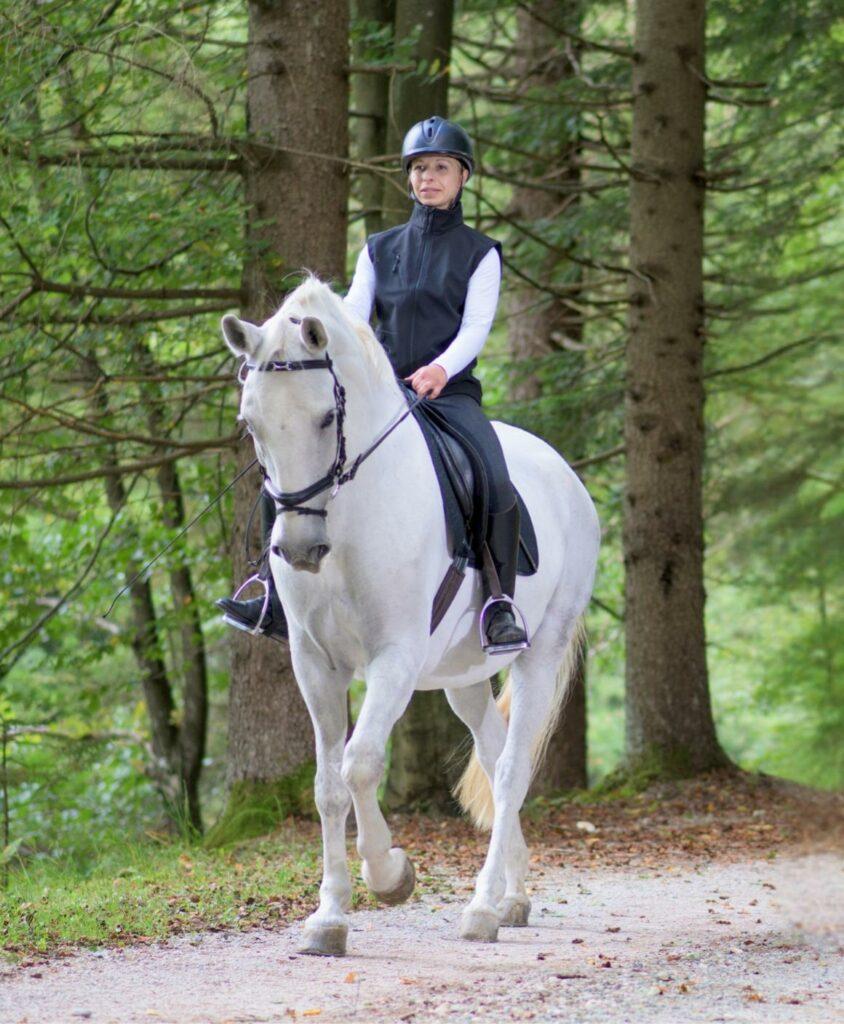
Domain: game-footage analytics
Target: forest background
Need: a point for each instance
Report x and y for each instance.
(132, 215)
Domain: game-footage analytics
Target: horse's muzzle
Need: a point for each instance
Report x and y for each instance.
(308, 560)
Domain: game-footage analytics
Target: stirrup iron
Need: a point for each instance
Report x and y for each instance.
(490, 648)
(256, 630)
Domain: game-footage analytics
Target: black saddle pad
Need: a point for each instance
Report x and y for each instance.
(463, 478)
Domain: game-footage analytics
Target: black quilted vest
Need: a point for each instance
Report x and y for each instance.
(422, 271)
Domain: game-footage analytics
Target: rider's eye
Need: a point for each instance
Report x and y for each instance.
(327, 420)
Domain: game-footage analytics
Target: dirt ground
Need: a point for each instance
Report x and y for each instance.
(701, 902)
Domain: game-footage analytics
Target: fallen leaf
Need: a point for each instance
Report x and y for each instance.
(350, 977)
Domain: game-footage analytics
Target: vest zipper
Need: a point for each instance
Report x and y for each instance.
(426, 245)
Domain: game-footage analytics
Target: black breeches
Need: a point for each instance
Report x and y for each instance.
(466, 415)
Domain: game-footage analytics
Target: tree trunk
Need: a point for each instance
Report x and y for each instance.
(192, 667)
(370, 98)
(422, 768)
(669, 719)
(194, 672)
(415, 95)
(164, 768)
(538, 329)
(297, 96)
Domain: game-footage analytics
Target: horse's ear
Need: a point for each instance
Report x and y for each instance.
(242, 337)
(313, 333)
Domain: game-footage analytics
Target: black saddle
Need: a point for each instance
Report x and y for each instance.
(464, 490)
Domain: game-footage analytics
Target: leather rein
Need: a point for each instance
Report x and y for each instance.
(293, 501)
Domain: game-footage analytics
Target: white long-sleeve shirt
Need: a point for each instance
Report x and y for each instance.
(478, 311)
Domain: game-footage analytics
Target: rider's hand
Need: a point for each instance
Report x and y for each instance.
(428, 380)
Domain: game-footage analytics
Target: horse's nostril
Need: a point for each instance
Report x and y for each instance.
(282, 552)
(320, 551)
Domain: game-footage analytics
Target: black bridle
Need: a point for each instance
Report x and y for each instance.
(293, 501)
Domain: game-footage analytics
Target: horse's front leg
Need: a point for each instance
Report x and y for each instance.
(390, 681)
(324, 690)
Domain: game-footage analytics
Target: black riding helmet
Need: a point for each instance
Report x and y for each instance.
(436, 135)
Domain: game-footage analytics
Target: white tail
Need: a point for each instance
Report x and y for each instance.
(474, 790)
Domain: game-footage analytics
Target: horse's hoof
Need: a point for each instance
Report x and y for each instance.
(324, 940)
(403, 889)
(479, 926)
(514, 911)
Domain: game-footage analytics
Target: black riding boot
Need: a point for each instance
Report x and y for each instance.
(246, 615)
(502, 631)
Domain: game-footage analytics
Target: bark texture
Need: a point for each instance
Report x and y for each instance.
(540, 327)
(297, 97)
(415, 95)
(370, 105)
(669, 717)
(192, 663)
(425, 761)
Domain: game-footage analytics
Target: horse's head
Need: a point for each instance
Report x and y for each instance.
(292, 417)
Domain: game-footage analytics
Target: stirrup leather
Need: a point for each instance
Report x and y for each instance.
(491, 648)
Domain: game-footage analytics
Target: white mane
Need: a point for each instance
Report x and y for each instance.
(346, 331)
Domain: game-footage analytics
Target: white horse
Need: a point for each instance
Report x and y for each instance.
(357, 578)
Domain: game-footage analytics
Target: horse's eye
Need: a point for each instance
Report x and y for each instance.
(327, 420)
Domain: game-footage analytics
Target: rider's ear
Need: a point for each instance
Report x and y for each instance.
(242, 337)
(313, 333)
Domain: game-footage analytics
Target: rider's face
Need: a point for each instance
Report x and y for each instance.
(436, 179)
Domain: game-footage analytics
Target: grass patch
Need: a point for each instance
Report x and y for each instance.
(149, 891)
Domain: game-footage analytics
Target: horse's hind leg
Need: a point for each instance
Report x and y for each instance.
(476, 708)
(324, 691)
(534, 686)
(514, 909)
(390, 679)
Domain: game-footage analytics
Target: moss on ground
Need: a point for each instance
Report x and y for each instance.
(637, 774)
(256, 808)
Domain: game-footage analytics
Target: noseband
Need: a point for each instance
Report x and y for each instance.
(292, 501)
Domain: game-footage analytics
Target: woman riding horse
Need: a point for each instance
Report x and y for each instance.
(434, 283)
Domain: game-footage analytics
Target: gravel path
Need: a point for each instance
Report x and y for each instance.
(750, 941)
